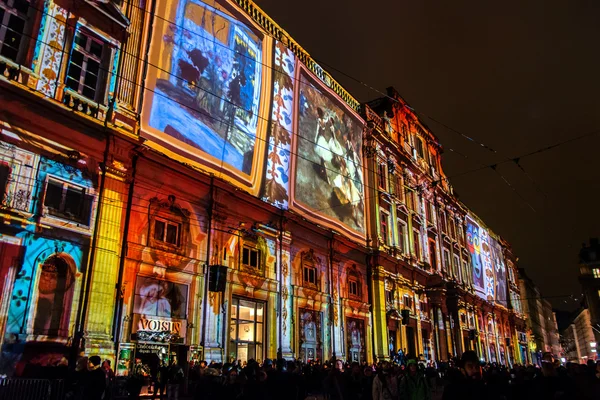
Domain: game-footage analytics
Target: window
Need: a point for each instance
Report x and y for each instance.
(167, 231)
(389, 296)
(68, 201)
(13, 25)
(400, 187)
(443, 221)
(447, 266)
(596, 272)
(402, 236)
(461, 234)
(309, 274)
(88, 66)
(246, 332)
(417, 244)
(384, 229)
(465, 271)
(5, 171)
(251, 257)
(452, 227)
(408, 303)
(429, 212)
(353, 287)
(455, 267)
(382, 176)
(419, 147)
(432, 254)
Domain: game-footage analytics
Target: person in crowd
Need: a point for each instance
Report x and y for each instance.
(174, 379)
(385, 384)
(109, 376)
(160, 383)
(468, 384)
(413, 385)
(95, 383)
(136, 381)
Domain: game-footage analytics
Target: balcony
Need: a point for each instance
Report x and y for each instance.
(17, 73)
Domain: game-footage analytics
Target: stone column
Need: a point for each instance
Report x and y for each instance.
(381, 350)
(104, 273)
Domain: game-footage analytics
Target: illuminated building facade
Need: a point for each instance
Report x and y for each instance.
(541, 322)
(589, 277)
(181, 179)
(443, 283)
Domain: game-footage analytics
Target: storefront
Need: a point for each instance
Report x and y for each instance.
(246, 330)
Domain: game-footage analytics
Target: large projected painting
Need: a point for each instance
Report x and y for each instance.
(206, 82)
(328, 176)
(499, 272)
(479, 244)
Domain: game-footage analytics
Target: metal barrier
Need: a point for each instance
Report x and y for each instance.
(31, 389)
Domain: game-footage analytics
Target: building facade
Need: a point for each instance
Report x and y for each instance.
(541, 321)
(579, 343)
(182, 180)
(589, 277)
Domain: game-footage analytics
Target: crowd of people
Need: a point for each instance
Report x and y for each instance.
(466, 378)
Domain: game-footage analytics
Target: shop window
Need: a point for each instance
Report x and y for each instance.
(251, 257)
(384, 228)
(246, 331)
(68, 201)
(309, 274)
(14, 21)
(89, 64)
(596, 272)
(382, 176)
(167, 232)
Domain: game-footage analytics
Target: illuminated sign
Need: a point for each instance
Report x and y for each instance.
(157, 329)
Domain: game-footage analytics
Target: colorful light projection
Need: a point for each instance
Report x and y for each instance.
(478, 242)
(499, 272)
(159, 298)
(328, 176)
(207, 96)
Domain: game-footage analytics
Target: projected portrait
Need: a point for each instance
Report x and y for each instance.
(499, 272)
(328, 176)
(160, 298)
(474, 246)
(207, 91)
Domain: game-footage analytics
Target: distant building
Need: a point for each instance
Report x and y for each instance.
(541, 324)
(579, 344)
(589, 276)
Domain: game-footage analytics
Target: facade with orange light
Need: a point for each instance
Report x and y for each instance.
(181, 179)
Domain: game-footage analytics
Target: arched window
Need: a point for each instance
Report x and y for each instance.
(55, 294)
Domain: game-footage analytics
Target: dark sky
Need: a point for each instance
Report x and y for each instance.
(515, 75)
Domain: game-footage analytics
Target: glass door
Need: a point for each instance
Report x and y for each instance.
(246, 331)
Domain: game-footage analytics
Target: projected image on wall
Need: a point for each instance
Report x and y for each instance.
(207, 94)
(328, 175)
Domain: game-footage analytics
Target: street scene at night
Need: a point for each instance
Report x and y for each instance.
(325, 199)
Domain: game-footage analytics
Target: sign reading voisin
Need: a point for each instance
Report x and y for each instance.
(142, 323)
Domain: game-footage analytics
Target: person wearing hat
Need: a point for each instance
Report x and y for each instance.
(413, 385)
(96, 380)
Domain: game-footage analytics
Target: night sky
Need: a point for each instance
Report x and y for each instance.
(516, 76)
